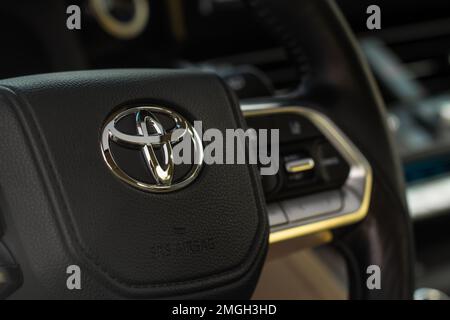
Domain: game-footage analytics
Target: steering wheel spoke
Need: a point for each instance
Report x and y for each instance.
(324, 181)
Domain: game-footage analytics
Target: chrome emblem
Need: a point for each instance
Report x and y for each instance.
(149, 138)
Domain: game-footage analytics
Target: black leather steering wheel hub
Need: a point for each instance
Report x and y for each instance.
(210, 235)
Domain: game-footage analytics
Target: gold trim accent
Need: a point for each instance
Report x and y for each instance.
(348, 150)
(119, 29)
(177, 20)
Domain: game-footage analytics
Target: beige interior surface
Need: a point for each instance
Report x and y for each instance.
(299, 275)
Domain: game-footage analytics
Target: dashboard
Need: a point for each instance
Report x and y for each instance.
(206, 34)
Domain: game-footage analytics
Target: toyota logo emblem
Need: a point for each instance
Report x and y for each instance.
(154, 141)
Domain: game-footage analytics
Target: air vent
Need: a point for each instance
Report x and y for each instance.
(426, 168)
(425, 50)
(274, 63)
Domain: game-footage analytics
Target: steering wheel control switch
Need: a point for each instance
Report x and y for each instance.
(325, 182)
(299, 169)
(276, 215)
(300, 165)
(312, 206)
(310, 162)
(334, 169)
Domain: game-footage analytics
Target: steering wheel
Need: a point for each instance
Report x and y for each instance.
(66, 207)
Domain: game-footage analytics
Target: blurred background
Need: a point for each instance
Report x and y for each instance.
(410, 57)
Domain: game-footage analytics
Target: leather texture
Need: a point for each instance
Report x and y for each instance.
(340, 84)
(62, 206)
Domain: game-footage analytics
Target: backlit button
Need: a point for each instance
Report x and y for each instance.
(333, 166)
(300, 165)
(311, 206)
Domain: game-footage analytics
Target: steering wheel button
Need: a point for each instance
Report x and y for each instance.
(333, 166)
(312, 206)
(299, 165)
(294, 128)
(276, 215)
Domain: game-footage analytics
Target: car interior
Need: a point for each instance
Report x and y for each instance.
(363, 117)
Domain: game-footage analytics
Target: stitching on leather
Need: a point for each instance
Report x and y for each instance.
(48, 163)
